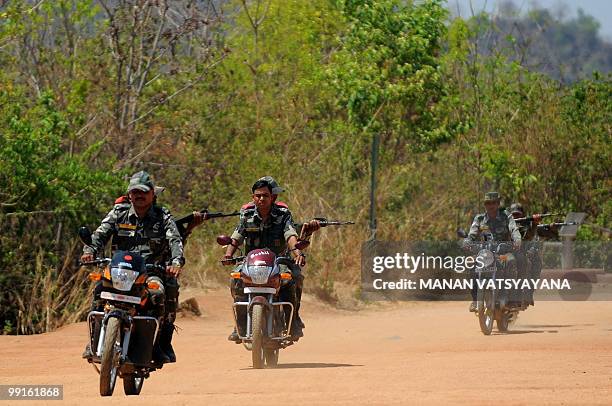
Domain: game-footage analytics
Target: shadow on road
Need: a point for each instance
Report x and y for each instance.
(525, 332)
(306, 365)
(555, 325)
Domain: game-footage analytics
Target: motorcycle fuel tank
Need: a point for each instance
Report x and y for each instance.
(261, 257)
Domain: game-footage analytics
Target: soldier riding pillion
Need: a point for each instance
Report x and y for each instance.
(531, 233)
(145, 228)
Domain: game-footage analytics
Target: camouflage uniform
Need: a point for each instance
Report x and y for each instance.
(502, 227)
(150, 236)
(273, 234)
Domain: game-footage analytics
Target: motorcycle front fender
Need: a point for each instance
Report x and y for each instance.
(118, 314)
(126, 324)
(259, 301)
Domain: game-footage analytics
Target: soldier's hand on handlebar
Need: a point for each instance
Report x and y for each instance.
(174, 270)
(300, 258)
(87, 257)
(227, 260)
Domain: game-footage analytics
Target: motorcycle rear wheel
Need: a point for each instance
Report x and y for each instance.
(503, 321)
(259, 323)
(132, 385)
(486, 310)
(109, 362)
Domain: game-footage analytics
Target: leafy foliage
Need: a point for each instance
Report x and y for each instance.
(387, 71)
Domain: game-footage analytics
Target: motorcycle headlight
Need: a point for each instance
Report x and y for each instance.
(485, 257)
(259, 274)
(123, 279)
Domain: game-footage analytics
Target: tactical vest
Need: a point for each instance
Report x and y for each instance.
(145, 236)
(270, 235)
(499, 226)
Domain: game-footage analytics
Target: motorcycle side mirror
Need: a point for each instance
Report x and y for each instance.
(302, 244)
(461, 233)
(85, 235)
(224, 240)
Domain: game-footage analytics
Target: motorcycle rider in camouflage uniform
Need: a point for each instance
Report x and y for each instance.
(529, 229)
(498, 224)
(266, 224)
(149, 230)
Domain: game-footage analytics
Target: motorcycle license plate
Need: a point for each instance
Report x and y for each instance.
(120, 298)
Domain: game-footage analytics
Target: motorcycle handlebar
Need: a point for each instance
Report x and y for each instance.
(232, 261)
(279, 260)
(105, 261)
(97, 261)
(155, 267)
(501, 247)
(285, 261)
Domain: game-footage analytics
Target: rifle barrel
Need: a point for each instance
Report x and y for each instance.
(530, 218)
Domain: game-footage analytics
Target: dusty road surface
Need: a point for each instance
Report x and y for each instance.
(408, 353)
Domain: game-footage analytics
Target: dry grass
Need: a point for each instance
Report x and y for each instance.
(52, 298)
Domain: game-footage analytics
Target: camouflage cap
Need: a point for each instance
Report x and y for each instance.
(141, 181)
(516, 208)
(159, 190)
(276, 189)
(492, 197)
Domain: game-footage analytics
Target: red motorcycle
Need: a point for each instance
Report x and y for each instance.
(259, 277)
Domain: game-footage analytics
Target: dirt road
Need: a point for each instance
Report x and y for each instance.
(409, 353)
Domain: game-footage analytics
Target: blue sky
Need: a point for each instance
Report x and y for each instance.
(600, 9)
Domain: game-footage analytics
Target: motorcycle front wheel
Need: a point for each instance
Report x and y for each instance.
(271, 357)
(486, 310)
(259, 326)
(110, 357)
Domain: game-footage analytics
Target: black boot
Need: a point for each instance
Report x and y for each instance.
(298, 299)
(234, 336)
(296, 329)
(299, 321)
(87, 353)
(165, 341)
(159, 355)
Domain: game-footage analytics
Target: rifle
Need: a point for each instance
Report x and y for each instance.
(557, 225)
(184, 222)
(535, 217)
(325, 222)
